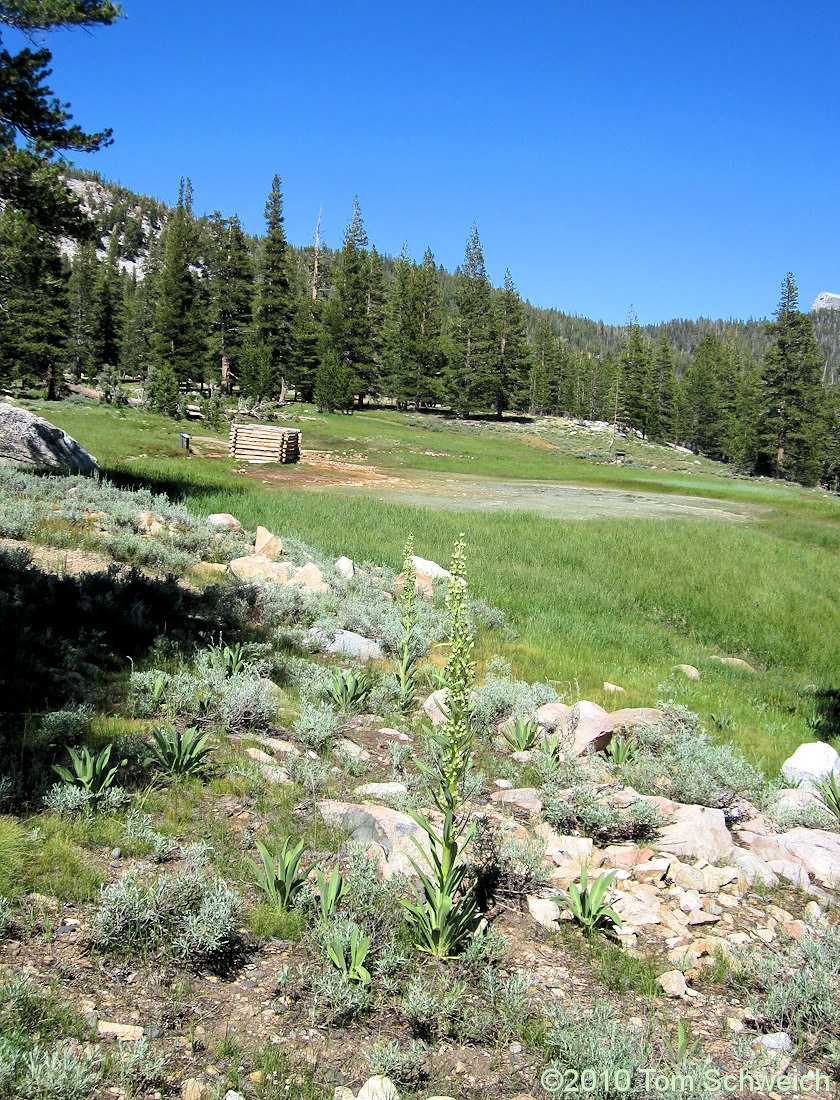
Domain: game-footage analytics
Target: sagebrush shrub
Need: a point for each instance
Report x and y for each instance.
(190, 914)
(796, 986)
(601, 1044)
(580, 810)
(68, 801)
(316, 724)
(501, 697)
(677, 759)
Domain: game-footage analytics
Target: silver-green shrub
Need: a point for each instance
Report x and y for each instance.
(603, 1043)
(190, 914)
(580, 810)
(316, 724)
(62, 1073)
(68, 801)
(677, 759)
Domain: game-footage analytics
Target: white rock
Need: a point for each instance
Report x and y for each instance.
(380, 790)
(752, 868)
(224, 521)
(33, 443)
(434, 707)
(696, 832)
(357, 753)
(811, 761)
(817, 850)
(345, 567)
(348, 643)
(688, 670)
(673, 982)
(544, 911)
(392, 830)
(378, 1088)
(431, 569)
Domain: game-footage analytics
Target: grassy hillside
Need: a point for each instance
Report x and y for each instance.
(607, 599)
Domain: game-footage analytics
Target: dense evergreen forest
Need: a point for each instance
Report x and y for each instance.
(193, 309)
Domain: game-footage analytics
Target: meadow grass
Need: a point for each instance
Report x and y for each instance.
(587, 601)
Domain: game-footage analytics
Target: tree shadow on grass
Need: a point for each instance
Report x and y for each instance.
(63, 639)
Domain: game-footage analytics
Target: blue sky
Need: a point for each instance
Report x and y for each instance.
(679, 158)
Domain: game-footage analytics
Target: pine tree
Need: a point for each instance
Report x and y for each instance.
(640, 404)
(136, 357)
(82, 352)
(109, 301)
(428, 359)
(506, 382)
(375, 317)
(793, 418)
(177, 342)
(542, 387)
(333, 383)
(346, 325)
(666, 391)
(231, 288)
(399, 331)
(470, 382)
(30, 114)
(305, 344)
(33, 304)
(275, 299)
(703, 422)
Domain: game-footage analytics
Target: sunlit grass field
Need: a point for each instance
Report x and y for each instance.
(588, 601)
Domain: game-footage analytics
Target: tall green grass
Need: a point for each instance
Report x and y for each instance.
(617, 600)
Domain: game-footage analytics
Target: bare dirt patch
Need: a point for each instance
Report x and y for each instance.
(320, 470)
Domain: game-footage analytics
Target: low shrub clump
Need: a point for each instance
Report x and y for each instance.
(795, 987)
(581, 810)
(678, 760)
(188, 915)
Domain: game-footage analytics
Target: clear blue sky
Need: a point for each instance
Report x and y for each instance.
(676, 157)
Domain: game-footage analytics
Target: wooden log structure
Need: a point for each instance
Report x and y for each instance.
(263, 443)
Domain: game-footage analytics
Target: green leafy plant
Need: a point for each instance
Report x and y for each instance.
(330, 891)
(347, 689)
(621, 750)
(281, 881)
(522, 735)
(349, 957)
(440, 917)
(405, 662)
(94, 773)
(587, 902)
(828, 792)
(683, 1050)
(178, 753)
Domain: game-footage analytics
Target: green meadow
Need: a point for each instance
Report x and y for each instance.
(619, 598)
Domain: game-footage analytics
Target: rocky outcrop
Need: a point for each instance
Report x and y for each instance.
(348, 643)
(587, 726)
(826, 300)
(33, 443)
(393, 832)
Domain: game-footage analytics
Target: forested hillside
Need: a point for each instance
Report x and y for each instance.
(191, 307)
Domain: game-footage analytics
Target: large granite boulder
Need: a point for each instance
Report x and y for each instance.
(33, 443)
(813, 761)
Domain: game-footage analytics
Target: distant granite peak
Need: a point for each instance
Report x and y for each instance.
(826, 301)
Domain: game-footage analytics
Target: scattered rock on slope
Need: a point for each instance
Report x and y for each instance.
(31, 442)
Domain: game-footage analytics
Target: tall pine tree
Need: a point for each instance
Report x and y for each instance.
(793, 416)
(275, 297)
(470, 382)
